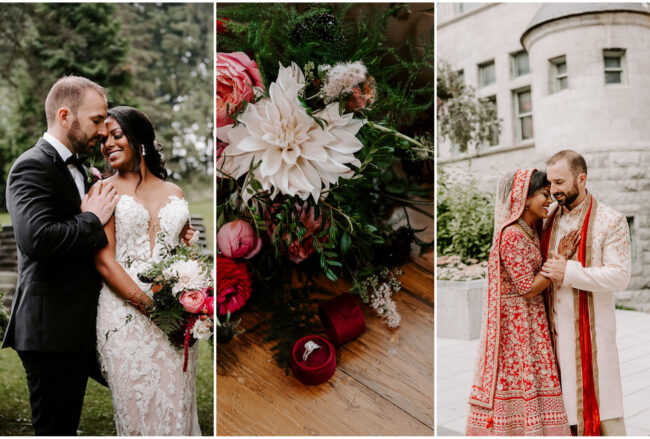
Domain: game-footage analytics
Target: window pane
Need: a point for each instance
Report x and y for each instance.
(526, 127)
(612, 62)
(561, 68)
(562, 83)
(612, 77)
(525, 105)
(487, 74)
(521, 64)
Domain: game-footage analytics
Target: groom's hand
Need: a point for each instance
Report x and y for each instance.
(554, 268)
(101, 201)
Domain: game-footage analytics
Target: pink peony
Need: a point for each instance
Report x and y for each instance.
(233, 285)
(193, 301)
(237, 239)
(237, 74)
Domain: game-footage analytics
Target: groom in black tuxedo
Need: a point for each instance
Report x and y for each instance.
(58, 229)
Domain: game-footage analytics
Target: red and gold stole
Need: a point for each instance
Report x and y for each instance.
(583, 304)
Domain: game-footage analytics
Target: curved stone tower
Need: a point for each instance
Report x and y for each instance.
(591, 93)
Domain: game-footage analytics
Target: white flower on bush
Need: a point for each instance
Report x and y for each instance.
(188, 274)
(298, 157)
(202, 329)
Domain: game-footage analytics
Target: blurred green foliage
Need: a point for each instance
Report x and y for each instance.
(465, 218)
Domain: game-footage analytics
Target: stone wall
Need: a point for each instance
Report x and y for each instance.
(608, 124)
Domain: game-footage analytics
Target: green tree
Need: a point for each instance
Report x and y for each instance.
(45, 42)
(463, 117)
(172, 60)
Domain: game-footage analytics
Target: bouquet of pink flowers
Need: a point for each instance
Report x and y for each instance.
(182, 291)
(310, 160)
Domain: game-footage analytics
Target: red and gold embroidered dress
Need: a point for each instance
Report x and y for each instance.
(516, 388)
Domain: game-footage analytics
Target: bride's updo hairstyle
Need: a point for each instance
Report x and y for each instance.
(537, 181)
(140, 133)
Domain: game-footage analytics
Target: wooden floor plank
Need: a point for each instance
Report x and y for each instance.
(254, 397)
(383, 385)
(397, 364)
(418, 281)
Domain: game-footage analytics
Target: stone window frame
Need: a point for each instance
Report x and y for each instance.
(482, 73)
(621, 70)
(557, 76)
(519, 117)
(461, 75)
(514, 69)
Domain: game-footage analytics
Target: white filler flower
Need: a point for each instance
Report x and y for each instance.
(297, 156)
(201, 329)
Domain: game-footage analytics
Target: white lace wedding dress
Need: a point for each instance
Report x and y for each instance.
(151, 394)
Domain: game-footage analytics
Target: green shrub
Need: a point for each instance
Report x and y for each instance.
(465, 218)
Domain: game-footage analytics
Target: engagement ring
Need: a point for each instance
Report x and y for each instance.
(310, 347)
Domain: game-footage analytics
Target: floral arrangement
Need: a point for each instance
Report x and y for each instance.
(183, 295)
(310, 166)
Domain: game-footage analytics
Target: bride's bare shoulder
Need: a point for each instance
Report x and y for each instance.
(112, 180)
(170, 189)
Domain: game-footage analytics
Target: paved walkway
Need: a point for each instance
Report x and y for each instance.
(455, 363)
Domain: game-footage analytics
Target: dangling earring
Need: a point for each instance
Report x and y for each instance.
(144, 152)
(527, 204)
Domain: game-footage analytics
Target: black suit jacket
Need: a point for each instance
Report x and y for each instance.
(55, 305)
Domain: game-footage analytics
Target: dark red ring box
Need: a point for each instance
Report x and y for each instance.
(342, 318)
(320, 364)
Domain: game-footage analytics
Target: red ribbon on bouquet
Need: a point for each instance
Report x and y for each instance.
(188, 335)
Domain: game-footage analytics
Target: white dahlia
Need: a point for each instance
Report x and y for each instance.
(297, 156)
(188, 274)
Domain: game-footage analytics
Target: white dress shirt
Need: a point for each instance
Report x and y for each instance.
(64, 152)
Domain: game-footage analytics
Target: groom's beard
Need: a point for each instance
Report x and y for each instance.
(569, 197)
(79, 140)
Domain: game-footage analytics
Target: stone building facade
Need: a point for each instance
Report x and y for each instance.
(563, 76)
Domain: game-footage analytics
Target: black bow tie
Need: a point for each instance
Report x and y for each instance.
(74, 160)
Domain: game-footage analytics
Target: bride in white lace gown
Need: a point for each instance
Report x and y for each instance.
(151, 394)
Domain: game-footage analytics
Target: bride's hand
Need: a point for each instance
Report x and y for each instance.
(189, 235)
(569, 244)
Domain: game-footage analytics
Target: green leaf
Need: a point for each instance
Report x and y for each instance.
(346, 242)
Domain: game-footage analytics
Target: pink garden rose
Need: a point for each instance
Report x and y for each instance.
(193, 301)
(237, 74)
(233, 285)
(237, 239)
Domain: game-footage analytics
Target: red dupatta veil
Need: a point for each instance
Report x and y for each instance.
(509, 206)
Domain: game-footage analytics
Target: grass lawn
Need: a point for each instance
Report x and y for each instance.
(97, 414)
(4, 218)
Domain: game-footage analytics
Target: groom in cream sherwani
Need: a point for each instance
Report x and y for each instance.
(581, 300)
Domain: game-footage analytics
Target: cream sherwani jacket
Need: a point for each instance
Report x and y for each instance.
(609, 272)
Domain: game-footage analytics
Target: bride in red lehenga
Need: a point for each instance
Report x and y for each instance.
(516, 389)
